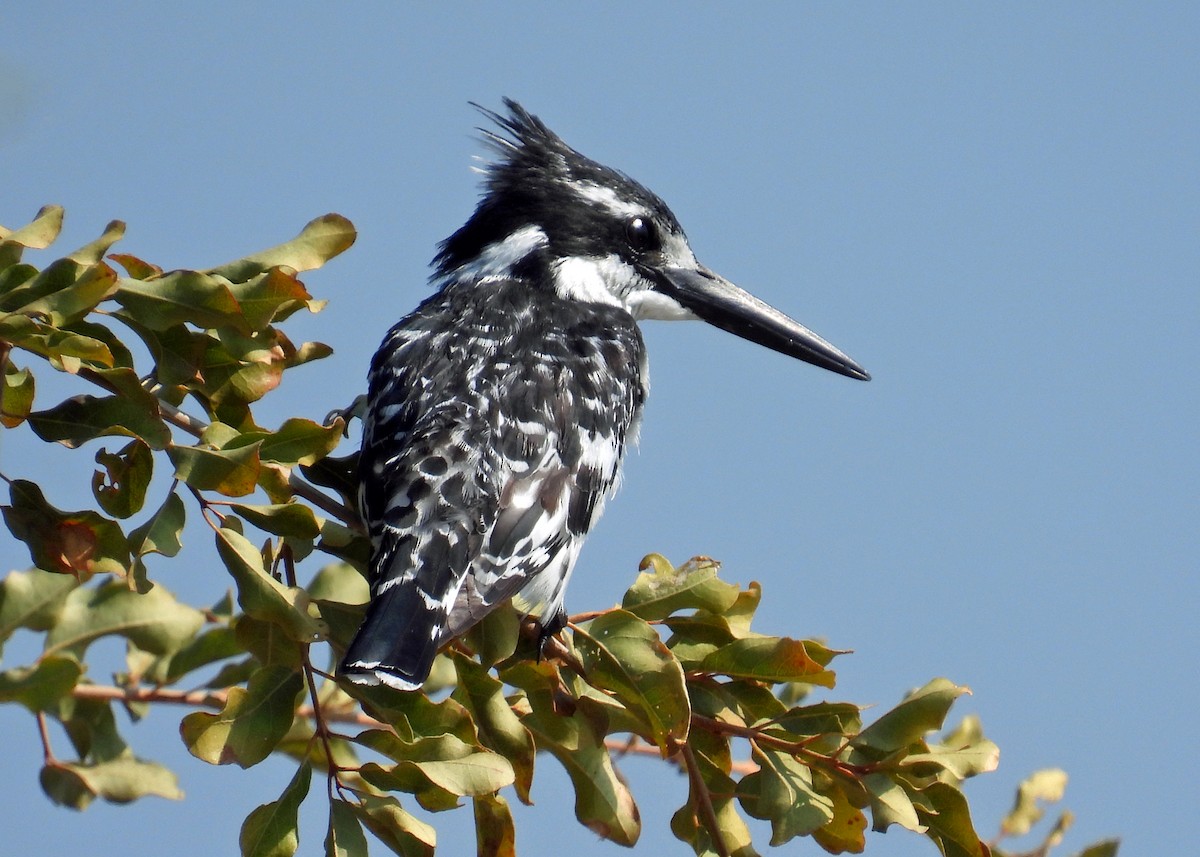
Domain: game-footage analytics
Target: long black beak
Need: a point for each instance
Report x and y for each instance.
(722, 304)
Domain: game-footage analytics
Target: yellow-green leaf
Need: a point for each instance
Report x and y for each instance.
(251, 724)
(232, 472)
(32, 599)
(261, 595)
(319, 241)
(119, 780)
(38, 235)
(773, 659)
(395, 828)
(1044, 786)
(41, 686)
(120, 488)
(499, 727)
(495, 834)
(178, 297)
(16, 395)
(344, 837)
(662, 589)
(271, 829)
(154, 621)
(624, 655)
(281, 519)
(845, 831)
(918, 714)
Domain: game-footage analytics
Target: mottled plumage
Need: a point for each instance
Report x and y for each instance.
(500, 409)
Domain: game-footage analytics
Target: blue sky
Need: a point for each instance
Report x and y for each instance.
(995, 210)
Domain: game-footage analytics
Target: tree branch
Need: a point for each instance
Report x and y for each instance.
(210, 699)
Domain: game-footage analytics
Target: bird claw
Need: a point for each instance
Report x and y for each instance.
(357, 408)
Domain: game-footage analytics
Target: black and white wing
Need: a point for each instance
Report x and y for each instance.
(487, 456)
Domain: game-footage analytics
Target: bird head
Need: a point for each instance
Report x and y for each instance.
(554, 216)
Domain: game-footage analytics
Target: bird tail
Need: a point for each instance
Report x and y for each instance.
(398, 640)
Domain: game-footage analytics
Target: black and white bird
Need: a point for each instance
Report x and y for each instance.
(499, 411)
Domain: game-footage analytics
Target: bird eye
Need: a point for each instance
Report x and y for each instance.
(641, 234)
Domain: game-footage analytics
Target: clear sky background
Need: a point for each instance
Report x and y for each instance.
(995, 210)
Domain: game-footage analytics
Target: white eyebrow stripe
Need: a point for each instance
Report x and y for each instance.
(607, 198)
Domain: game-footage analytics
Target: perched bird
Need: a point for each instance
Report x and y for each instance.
(499, 410)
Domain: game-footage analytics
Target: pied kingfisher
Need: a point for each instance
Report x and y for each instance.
(499, 410)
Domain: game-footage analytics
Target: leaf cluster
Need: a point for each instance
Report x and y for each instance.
(675, 671)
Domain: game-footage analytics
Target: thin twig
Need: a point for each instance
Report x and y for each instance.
(44, 733)
(794, 748)
(708, 815)
(636, 748)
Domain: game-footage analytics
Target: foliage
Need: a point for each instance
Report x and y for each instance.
(676, 671)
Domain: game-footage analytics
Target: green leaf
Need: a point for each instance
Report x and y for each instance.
(38, 235)
(93, 252)
(120, 780)
(845, 831)
(736, 701)
(948, 820)
(232, 472)
(155, 621)
(281, 519)
(495, 637)
(452, 766)
(963, 753)
(624, 655)
(251, 724)
(297, 441)
(32, 599)
(92, 728)
(160, 533)
(65, 787)
(686, 826)
(319, 241)
(500, 729)
(83, 542)
(603, 802)
(240, 368)
(73, 296)
(215, 644)
(773, 659)
(271, 296)
(822, 718)
(178, 297)
(344, 837)
(339, 581)
(131, 412)
(782, 792)
(495, 834)
(120, 488)
(135, 267)
(890, 804)
(178, 351)
(1047, 785)
(661, 589)
(399, 831)
(1103, 848)
(270, 830)
(40, 686)
(918, 714)
(260, 595)
(16, 395)
(66, 351)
